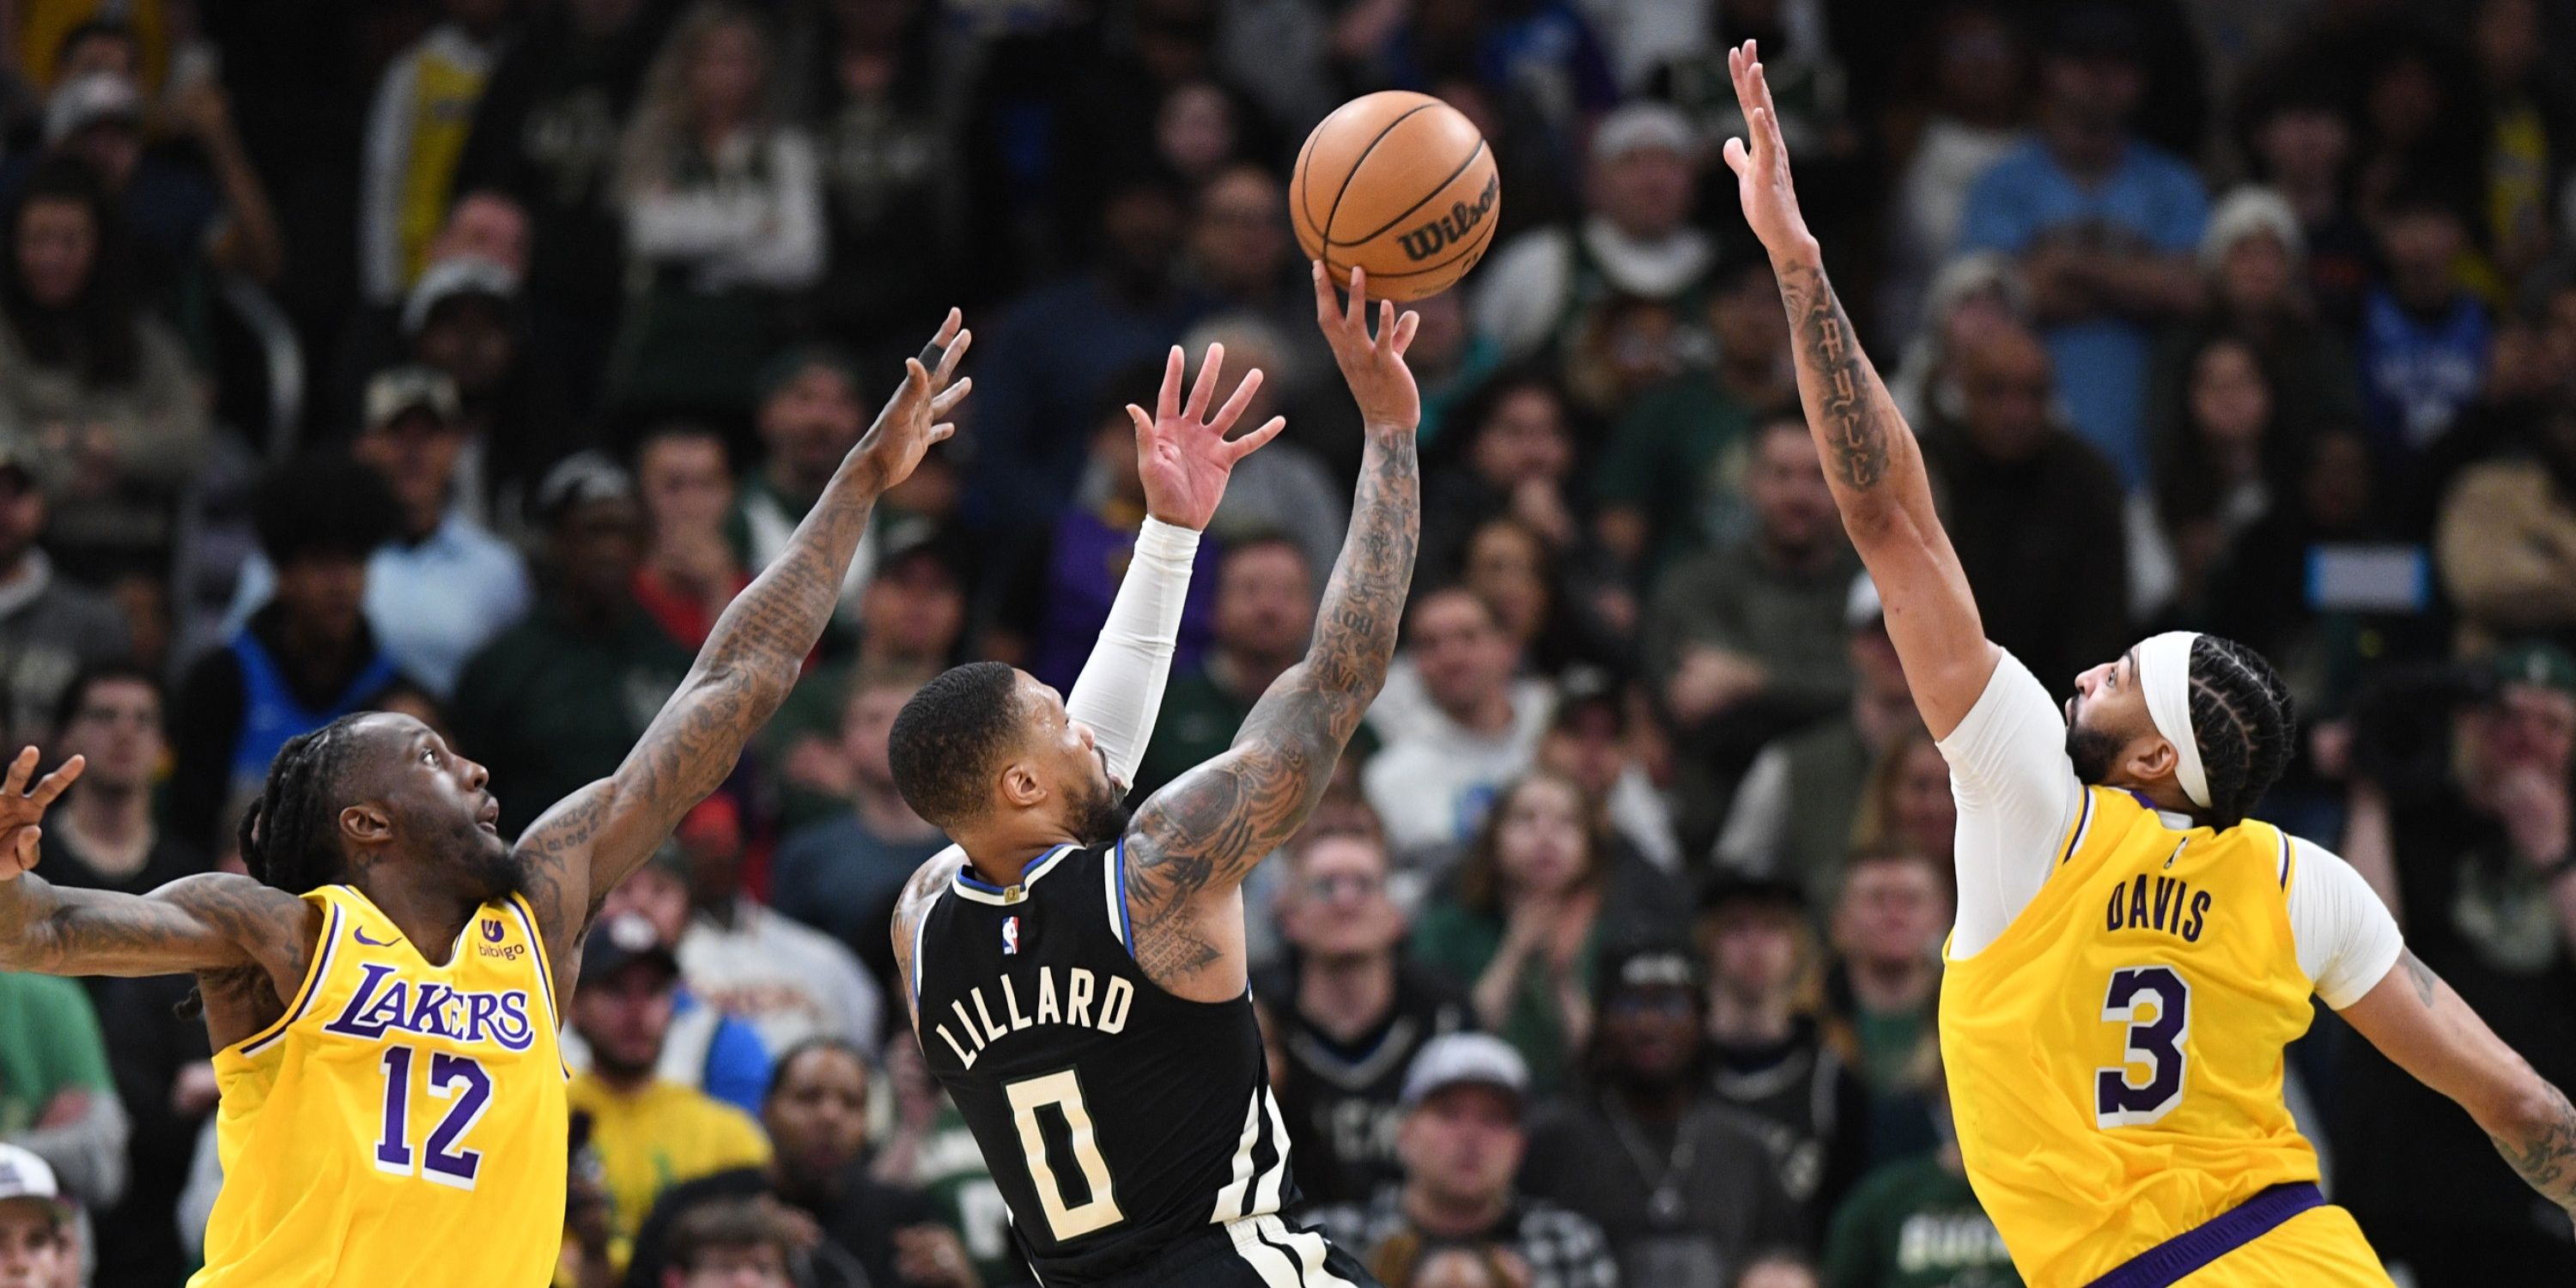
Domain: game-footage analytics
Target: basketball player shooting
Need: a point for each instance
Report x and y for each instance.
(1078, 980)
(383, 991)
(2132, 952)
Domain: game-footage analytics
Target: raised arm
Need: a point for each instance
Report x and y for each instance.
(2418, 1022)
(1190, 847)
(1871, 460)
(592, 839)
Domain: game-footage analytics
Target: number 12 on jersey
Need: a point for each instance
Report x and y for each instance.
(2155, 1005)
(459, 1079)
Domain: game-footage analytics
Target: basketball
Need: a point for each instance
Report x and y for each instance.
(1401, 185)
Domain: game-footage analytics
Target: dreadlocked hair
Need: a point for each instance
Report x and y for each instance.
(2241, 714)
(290, 835)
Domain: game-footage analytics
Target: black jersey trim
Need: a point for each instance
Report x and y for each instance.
(967, 886)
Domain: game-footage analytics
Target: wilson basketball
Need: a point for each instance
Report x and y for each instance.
(1401, 185)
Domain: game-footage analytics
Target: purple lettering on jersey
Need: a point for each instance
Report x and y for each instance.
(386, 1002)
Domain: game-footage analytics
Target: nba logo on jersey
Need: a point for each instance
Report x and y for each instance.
(1010, 936)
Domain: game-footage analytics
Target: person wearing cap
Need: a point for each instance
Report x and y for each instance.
(1767, 1051)
(648, 1133)
(2104, 224)
(302, 660)
(442, 585)
(1682, 1183)
(424, 105)
(2476, 854)
(2100, 1145)
(38, 1233)
(556, 701)
(790, 980)
(719, 1054)
(467, 316)
(51, 626)
(1462, 1140)
(1636, 239)
(1793, 814)
(1746, 640)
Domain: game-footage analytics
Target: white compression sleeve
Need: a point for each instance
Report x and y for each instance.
(1120, 690)
(2346, 940)
(2017, 794)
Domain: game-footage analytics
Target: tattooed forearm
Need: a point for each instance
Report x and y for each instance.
(1854, 421)
(2544, 1150)
(200, 923)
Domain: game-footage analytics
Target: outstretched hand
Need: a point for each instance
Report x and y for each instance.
(1762, 180)
(22, 810)
(1183, 456)
(916, 416)
(1373, 366)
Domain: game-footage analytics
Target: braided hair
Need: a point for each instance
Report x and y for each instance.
(290, 835)
(2242, 717)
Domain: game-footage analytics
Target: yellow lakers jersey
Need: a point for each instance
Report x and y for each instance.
(2114, 1059)
(402, 1123)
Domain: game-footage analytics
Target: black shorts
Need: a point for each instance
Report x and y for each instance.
(1256, 1252)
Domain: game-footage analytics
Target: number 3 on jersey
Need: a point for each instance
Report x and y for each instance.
(2155, 1004)
(1062, 1092)
(458, 1079)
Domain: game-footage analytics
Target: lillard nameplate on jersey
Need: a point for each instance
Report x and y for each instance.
(1117, 1118)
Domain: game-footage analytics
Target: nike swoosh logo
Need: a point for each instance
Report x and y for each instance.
(360, 934)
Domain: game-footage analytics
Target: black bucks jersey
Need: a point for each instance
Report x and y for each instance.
(1120, 1121)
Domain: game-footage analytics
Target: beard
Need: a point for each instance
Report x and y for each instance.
(488, 869)
(1099, 815)
(2093, 753)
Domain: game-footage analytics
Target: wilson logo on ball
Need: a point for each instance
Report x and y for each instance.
(1430, 239)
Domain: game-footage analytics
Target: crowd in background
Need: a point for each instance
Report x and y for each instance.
(465, 357)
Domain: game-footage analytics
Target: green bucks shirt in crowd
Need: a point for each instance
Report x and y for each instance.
(1916, 1224)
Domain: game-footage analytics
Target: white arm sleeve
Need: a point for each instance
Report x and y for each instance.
(2346, 940)
(2017, 794)
(1120, 690)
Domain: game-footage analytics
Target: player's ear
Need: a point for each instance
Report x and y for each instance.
(2151, 758)
(366, 823)
(1020, 785)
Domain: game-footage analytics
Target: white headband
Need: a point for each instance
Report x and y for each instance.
(2164, 678)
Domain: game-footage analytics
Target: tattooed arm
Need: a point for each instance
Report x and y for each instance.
(592, 839)
(1190, 847)
(2418, 1022)
(1871, 460)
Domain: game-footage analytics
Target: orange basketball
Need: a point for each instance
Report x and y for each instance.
(1400, 184)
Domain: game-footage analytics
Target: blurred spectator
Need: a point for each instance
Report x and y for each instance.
(730, 1244)
(1462, 1140)
(932, 1150)
(442, 586)
(1592, 739)
(704, 1049)
(1465, 728)
(2424, 336)
(2102, 222)
(891, 186)
(485, 224)
(57, 1100)
(39, 1235)
(99, 388)
(1675, 1176)
(1807, 88)
(1973, 296)
(1780, 1268)
(1450, 361)
(806, 407)
(1793, 815)
(1671, 482)
(557, 700)
(2254, 257)
(54, 42)
(2506, 537)
(1555, 619)
(1886, 974)
(723, 205)
(2530, 130)
(2219, 468)
(914, 608)
(1907, 803)
(546, 132)
(1767, 1053)
(1285, 489)
(1350, 1011)
(690, 571)
(1972, 115)
(2300, 143)
(424, 105)
(305, 659)
(2035, 513)
(104, 836)
(465, 317)
(1537, 902)
(1916, 1224)
(1241, 254)
(1259, 621)
(2419, 122)
(167, 1086)
(841, 875)
(1531, 76)
(50, 626)
(1547, 288)
(1744, 641)
(1050, 361)
(871, 1233)
(1514, 454)
(646, 1134)
(2461, 821)
(791, 981)
(1087, 558)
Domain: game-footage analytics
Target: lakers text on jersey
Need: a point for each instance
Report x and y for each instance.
(403, 1123)
(1120, 1122)
(2114, 1059)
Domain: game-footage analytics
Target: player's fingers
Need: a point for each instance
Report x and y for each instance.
(1236, 402)
(1204, 389)
(1357, 315)
(948, 398)
(948, 327)
(1735, 155)
(1144, 426)
(28, 838)
(1385, 338)
(952, 355)
(19, 768)
(942, 432)
(1326, 312)
(1405, 327)
(52, 785)
(1167, 404)
(916, 378)
(1250, 443)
